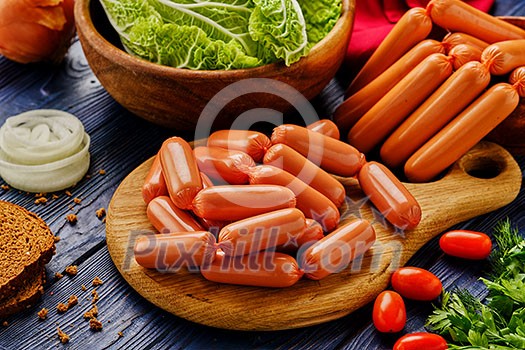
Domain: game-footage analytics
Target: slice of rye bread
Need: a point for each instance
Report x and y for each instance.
(27, 245)
(27, 296)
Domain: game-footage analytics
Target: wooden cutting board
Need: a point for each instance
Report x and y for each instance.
(457, 197)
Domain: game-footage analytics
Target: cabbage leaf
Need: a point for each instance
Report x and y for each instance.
(226, 34)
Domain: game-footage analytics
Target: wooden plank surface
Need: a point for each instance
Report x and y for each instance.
(120, 142)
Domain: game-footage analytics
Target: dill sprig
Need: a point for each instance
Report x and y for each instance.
(498, 322)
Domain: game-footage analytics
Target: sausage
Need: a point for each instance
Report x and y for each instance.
(223, 165)
(311, 234)
(166, 217)
(414, 26)
(154, 183)
(312, 203)
(462, 133)
(355, 106)
(325, 127)
(389, 196)
(332, 155)
(335, 251)
(286, 158)
(206, 182)
(172, 251)
(453, 39)
(250, 142)
(261, 232)
(399, 102)
(237, 202)
(464, 53)
(457, 16)
(456, 93)
(503, 57)
(180, 171)
(264, 269)
(517, 79)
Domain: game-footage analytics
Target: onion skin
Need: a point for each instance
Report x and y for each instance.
(36, 30)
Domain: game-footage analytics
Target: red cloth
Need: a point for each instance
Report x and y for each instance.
(375, 18)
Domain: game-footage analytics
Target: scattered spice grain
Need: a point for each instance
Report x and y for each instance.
(64, 338)
(42, 314)
(72, 270)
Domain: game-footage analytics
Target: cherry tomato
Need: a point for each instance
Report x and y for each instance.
(389, 313)
(417, 284)
(466, 244)
(419, 341)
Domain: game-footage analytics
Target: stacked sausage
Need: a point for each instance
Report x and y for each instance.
(423, 103)
(233, 208)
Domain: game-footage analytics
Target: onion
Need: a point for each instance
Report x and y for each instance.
(36, 30)
(43, 151)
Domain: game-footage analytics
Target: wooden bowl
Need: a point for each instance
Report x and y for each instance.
(175, 98)
(511, 132)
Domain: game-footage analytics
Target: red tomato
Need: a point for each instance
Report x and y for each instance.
(419, 341)
(466, 244)
(389, 313)
(417, 284)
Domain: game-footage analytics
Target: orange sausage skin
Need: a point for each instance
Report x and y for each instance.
(356, 105)
(505, 56)
(172, 251)
(264, 269)
(457, 16)
(166, 217)
(453, 39)
(154, 183)
(517, 79)
(389, 196)
(335, 251)
(286, 158)
(462, 133)
(312, 203)
(414, 26)
(311, 234)
(332, 155)
(223, 165)
(180, 171)
(261, 232)
(454, 95)
(399, 102)
(237, 202)
(325, 127)
(464, 53)
(250, 142)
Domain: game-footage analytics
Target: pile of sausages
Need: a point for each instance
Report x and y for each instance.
(238, 208)
(423, 103)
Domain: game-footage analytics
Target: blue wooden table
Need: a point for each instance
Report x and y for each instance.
(121, 142)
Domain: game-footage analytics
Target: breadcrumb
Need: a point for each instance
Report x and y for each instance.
(95, 324)
(56, 239)
(100, 213)
(97, 282)
(61, 308)
(54, 196)
(42, 314)
(68, 193)
(41, 200)
(73, 300)
(5, 187)
(58, 275)
(64, 338)
(72, 270)
(5, 323)
(83, 287)
(72, 218)
(93, 313)
(120, 334)
(102, 172)
(77, 200)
